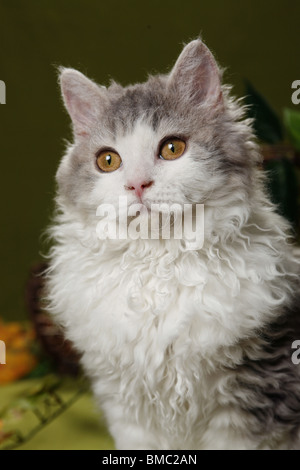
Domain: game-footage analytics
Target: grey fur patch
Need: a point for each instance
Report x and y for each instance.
(148, 100)
(267, 383)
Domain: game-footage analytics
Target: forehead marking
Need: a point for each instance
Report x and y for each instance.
(137, 103)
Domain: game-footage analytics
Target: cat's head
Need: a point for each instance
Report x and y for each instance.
(177, 138)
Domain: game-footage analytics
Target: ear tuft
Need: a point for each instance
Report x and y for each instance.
(196, 76)
(82, 98)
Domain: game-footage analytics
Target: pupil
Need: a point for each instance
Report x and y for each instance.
(108, 159)
(171, 147)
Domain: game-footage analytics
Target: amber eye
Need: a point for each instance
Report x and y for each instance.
(108, 160)
(172, 149)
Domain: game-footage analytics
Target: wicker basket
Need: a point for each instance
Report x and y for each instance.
(50, 336)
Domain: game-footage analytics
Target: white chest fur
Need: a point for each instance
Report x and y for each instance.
(153, 322)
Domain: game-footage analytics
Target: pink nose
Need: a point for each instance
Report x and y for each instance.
(139, 187)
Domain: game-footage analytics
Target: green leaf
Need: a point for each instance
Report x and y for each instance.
(43, 368)
(292, 123)
(266, 123)
(283, 188)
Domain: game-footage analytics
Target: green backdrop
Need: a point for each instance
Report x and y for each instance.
(257, 40)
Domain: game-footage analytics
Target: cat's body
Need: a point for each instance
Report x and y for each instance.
(185, 349)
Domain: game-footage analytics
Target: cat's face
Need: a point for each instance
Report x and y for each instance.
(173, 139)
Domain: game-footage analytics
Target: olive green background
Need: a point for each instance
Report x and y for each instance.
(81, 426)
(124, 40)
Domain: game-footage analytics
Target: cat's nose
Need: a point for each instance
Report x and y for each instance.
(139, 187)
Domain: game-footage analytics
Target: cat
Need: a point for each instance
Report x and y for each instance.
(185, 348)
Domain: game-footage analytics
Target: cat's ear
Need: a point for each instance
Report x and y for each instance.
(196, 76)
(82, 98)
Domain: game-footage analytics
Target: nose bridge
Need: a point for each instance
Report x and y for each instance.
(138, 160)
(138, 175)
(140, 168)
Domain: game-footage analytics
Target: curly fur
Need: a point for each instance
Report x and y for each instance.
(184, 349)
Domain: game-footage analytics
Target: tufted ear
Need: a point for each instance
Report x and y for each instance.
(82, 98)
(196, 77)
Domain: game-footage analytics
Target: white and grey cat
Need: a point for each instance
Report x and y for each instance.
(185, 349)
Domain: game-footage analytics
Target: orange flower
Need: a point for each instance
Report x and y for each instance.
(19, 360)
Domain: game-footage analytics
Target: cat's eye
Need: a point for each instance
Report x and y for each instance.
(172, 149)
(108, 160)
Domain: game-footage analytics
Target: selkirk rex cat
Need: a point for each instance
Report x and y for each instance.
(185, 348)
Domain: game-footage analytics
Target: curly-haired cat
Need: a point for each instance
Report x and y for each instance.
(185, 348)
